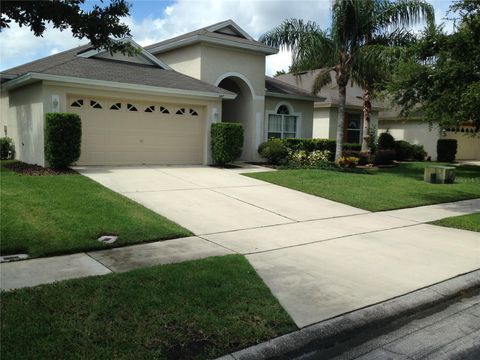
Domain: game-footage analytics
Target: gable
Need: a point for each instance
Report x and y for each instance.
(137, 59)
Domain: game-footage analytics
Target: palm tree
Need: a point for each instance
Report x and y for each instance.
(342, 48)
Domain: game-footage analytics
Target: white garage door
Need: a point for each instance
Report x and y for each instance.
(122, 132)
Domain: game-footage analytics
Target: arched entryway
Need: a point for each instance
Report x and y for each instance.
(240, 109)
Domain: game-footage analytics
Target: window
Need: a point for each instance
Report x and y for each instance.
(116, 106)
(77, 103)
(193, 112)
(164, 110)
(353, 128)
(95, 104)
(130, 107)
(282, 125)
(180, 111)
(150, 109)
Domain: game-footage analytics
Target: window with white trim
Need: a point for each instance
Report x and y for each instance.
(282, 125)
(354, 128)
(77, 103)
(180, 111)
(95, 104)
(131, 107)
(116, 106)
(164, 110)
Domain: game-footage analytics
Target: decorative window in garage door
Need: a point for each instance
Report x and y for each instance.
(77, 103)
(150, 109)
(164, 110)
(116, 106)
(180, 111)
(193, 112)
(131, 107)
(95, 104)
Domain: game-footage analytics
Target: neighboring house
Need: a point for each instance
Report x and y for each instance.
(155, 107)
(384, 117)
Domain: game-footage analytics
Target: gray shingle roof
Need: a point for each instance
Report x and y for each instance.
(68, 63)
(273, 85)
(214, 35)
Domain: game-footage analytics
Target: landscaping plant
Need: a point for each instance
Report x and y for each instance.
(274, 150)
(7, 148)
(386, 141)
(446, 150)
(227, 142)
(348, 162)
(63, 136)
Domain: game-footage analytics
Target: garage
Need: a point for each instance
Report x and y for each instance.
(125, 132)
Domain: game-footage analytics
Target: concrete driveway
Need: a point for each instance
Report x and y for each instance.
(210, 200)
(321, 259)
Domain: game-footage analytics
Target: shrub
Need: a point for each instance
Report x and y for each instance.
(63, 136)
(348, 162)
(352, 146)
(418, 153)
(386, 141)
(384, 157)
(446, 150)
(372, 138)
(403, 150)
(227, 142)
(310, 144)
(7, 148)
(274, 150)
(364, 158)
(302, 158)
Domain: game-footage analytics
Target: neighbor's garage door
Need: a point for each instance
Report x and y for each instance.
(120, 132)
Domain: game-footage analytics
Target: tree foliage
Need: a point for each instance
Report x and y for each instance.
(439, 76)
(99, 24)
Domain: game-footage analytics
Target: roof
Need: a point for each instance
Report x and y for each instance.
(68, 64)
(225, 33)
(275, 87)
(329, 92)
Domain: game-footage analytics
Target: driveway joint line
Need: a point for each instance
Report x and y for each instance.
(258, 207)
(331, 239)
(188, 189)
(99, 262)
(220, 245)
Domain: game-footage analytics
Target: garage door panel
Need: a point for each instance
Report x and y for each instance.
(116, 137)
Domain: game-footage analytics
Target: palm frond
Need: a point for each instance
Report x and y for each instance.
(321, 80)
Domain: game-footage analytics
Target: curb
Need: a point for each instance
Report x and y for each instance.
(332, 332)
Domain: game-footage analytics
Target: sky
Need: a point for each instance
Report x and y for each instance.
(151, 21)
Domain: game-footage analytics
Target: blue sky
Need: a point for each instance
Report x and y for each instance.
(155, 20)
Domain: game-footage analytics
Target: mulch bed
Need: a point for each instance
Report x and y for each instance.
(35, 170)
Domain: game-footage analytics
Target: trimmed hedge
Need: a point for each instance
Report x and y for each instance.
(446, 150)
(384, 157)
(227, 142)
(7, 148)
(63, 136)
(386, 141)
(403, 150)
(310, 144)
(274, 150)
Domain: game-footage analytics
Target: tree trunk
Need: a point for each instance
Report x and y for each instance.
(342, 92)
(367, 110)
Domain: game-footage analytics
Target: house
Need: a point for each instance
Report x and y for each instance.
(383, 116)
(155, 107)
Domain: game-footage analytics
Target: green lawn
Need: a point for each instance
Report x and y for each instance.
(47, 215)
(198, 309)
(466, 222)
(383, 189)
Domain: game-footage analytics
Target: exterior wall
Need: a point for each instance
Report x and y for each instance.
(326, 120)
(302, 108)
(212, 108)
(25, 122)
(468, 145)
(415, 132)
(186, 60)
(4, 113)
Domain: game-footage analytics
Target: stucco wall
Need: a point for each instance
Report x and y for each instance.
(305, 108)
(415, 132)
(468, 145)
(25, 123)
(186, 60)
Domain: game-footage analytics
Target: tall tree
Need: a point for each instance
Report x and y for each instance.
(342, 48)
(99, 24)
(439, 75)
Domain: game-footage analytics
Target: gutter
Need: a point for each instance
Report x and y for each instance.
(32, 77)
(296, 97)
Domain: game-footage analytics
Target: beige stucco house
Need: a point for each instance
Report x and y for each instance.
(155, 107)
(384, 117)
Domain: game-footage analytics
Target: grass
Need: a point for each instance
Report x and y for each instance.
(198, 309)
(466, 222)
(48, 215)
(384, 189)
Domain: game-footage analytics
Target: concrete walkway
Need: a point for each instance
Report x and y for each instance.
(319, 258)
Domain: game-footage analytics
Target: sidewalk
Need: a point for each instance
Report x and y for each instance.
(251, 241)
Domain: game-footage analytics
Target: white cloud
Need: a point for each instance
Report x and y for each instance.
(19, 45)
